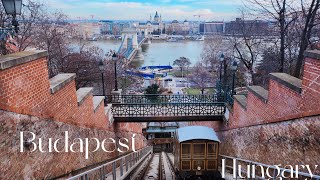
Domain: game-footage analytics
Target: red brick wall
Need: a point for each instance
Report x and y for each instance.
(25, 89)
(284, 130)
(311, 86)
(29, 105)
(282, 104)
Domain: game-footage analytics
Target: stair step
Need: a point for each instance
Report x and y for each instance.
(15, 59)
(242, 100)
(82, 93)
(97, 101)
(287, 80)
(60, 80)
(260, 92)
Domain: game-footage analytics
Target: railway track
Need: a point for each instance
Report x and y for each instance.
(158, 167)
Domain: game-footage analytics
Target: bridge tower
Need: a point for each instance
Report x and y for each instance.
(130, 33)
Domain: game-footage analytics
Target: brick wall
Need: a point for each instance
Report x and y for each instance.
(279, 125)
(30, 101)
(287, 98)
(295, 142)
(25, 89)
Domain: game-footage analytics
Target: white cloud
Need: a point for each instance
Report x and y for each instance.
(136, 10)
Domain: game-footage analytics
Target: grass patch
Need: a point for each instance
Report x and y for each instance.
(192, 91)
(195, 91)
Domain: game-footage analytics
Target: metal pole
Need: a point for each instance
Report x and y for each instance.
(234, 76)
(115, 76)
(103, 89)
(220, 71)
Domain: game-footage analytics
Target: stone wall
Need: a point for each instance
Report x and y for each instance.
(295, 142)
(45, 165)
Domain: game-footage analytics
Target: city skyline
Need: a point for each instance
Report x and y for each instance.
(141, 10)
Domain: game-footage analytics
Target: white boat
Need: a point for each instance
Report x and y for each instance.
(201, 38)
(172, 40)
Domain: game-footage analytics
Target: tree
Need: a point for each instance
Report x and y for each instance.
(182, 62)
(295, 20)
(212, 49)
(200, 77)
(247, 46)
(153, 89)
(309, 13)
(282, 13)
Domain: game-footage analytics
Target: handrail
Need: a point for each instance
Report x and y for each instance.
(317, 177)
(156, 98)
(129, 161)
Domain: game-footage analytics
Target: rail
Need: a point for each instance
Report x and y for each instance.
(168, 109)
(156, 98)
(121, 167)
(273, 167)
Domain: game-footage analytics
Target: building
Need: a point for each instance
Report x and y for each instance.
(111, 27)
(211, 27)
(106, 27)
(160, 135)
(250, 27)
(154, 26)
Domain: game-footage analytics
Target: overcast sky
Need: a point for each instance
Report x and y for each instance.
(141, 10)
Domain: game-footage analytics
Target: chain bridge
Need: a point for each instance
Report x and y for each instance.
(130, 44)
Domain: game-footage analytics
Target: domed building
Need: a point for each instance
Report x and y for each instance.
(152, 27)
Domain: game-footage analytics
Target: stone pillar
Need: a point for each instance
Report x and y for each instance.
(125, 40)
(135, 41)
(116, 96)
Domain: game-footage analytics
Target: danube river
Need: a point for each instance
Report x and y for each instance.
(158, 52)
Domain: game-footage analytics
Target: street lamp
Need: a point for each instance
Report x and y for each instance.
(221, 61)
(115, 59)
(101, 67)
(234, 67)
(13, 7)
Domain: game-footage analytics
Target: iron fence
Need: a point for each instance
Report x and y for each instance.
(142, 99)
(168, 109)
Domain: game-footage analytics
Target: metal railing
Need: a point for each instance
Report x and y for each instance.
(142, 99)
(118, 168)
(168, 109)
(244, 162)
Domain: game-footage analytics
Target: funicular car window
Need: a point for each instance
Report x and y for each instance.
(185, 150)
(199, 150)
(212, 164)
(212, 150)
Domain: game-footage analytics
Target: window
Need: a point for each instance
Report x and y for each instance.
(212, 165)
(185, 151)
(212, 149)
(185, 165)
(199, 150)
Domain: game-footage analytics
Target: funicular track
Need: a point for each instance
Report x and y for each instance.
(158, 167)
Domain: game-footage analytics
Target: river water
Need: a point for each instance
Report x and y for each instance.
(158, 52)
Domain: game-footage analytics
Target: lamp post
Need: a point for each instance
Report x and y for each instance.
(234, 67)
(101, 67)
(221, 61)
(115, 59)
(13, 7)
